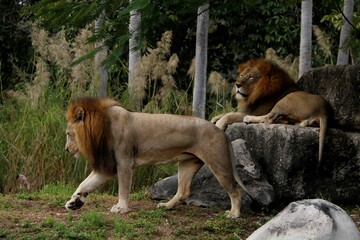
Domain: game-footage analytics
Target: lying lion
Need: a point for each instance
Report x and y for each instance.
(115, 141)
(266, 93)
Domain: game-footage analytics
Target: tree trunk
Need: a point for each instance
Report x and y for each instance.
(199, 94)
(305, 37)
(343, 53)
(134, 52)
(100, 71)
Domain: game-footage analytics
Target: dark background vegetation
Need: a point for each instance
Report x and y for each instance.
(238, 30)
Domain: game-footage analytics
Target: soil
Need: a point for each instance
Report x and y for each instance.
(14, 212)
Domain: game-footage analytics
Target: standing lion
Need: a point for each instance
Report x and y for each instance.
(115, 141)
(266, 93)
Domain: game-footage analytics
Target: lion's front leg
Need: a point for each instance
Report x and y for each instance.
(254, 119)
(229, 118)
(125, 174)
(91, 183)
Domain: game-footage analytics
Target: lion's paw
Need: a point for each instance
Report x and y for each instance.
(119, 209)
(161, 205)
(222, 124)
(230, 214)
(74, 203)
(164, 205)
(247, 119)
(215, 119)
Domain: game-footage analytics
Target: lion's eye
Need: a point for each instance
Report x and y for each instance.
(250, 79)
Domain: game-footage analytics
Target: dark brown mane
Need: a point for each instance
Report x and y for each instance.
(273, 83)
(93, 130)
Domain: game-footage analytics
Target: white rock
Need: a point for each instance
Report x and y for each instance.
(309, 219)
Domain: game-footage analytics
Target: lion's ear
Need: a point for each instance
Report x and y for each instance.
(79, 114)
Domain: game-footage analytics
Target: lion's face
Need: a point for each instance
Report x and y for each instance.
(246, 81)
(71, 144)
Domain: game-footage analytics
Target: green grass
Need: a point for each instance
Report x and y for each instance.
(41, 215)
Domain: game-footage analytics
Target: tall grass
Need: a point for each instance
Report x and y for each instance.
(289, 64)
(32, 143)
(32, 122)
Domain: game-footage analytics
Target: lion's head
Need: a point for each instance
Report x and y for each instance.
(246, 82)
(260, 79)
(89, 133)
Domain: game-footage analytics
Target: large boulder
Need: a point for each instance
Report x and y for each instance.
(288, 156)
(309, 219)
(340, 86)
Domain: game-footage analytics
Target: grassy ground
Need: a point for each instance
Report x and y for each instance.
(41, 215)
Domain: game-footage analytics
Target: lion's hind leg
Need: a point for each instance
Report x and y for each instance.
(223, 172)
(228, 182)
(186, 172)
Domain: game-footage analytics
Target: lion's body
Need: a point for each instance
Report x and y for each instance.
(131, 139)
(266, 93)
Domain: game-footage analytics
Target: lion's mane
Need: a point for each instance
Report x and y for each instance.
(92, 127)
(275, 82)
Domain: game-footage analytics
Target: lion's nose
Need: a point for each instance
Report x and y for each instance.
(238, 85)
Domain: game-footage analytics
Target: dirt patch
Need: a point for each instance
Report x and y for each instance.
(30, 217)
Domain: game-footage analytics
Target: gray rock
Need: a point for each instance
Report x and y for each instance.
(340, 86)
(309, 219)
(207, 192)
(243, 157)
(288, 158)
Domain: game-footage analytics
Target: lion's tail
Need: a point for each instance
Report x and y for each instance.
(236, 175)
(323, 126)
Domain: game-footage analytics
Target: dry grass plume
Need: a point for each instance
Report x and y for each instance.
(290, 64)
(153, 79)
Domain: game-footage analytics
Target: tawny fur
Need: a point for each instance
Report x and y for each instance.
(115, 141)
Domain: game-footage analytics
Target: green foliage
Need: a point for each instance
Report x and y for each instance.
(238, 30)
(16, 53)
(352, 43)
(95, 219)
